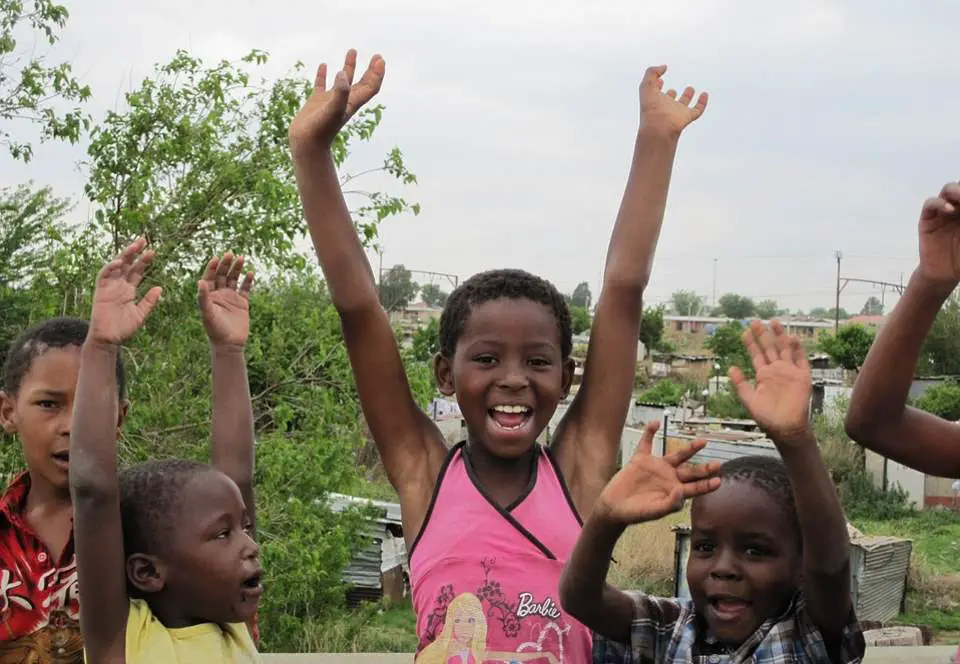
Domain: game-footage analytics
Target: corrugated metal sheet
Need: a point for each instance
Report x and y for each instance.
(878, 573)
(716, 450)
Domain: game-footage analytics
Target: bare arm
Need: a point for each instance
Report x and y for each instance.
(879, 417)
(584, 591)
(94, 485)
(826, 548)
(410, 445)
(594, 423)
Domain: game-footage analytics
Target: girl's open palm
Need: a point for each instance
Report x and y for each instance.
(225, 308)
(650, 487)
(940, 235)
(666, 109)
(328, 110)
(779, 400)
(116, 315)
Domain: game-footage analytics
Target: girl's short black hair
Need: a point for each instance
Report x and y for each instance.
(770, 475)
(59, 332)
(494, 285)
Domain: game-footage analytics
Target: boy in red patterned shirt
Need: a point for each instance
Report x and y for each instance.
(39, 600)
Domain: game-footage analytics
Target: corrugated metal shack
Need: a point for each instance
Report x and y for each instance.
(878, 573)
(380, 569)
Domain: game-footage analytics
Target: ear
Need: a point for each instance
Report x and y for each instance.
(122, 414)
(7, 406)
(568, 368)
(443, 374)
(146, 573)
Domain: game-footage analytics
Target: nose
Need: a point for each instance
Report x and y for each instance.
(514, 377)
(65, 421)
(725, 565)
(251, 548)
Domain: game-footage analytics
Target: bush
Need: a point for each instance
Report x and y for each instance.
(727, 405)
(942, 400)
(670, 392)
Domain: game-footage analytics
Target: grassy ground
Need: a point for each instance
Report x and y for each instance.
(933, 596)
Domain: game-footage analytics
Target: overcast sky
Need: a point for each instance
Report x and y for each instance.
(829, 123)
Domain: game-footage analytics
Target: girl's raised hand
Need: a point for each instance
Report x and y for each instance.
(665, 110)
(328, 110)
(225, 307)
(650, 487)
(116, 315)
(940, 235)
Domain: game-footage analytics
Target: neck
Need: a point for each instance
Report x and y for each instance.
(170, 616)
(45, 497)
(494, 471)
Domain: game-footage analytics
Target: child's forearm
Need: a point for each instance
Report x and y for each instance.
(823, 527)
(878, 417)
(232, 436)
(93, 462)
(637, 229)
(344, 263)
(584, 592)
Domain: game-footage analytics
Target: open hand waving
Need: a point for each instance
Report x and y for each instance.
(225, 308)
(779, 401)
(328, 110)
(650, 487)
(116, 315)
(664, 109)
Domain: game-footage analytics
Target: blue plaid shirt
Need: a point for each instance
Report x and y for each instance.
(666, 631)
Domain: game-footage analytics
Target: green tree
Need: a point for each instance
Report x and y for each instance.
(726, 344)
(651, 328)
(872, 307)
(397, 288)
(426, 341)
(941, 348)
(32, 89)
(580, 318)
(176, 165)
(433, 296)
(581, 296)
(848, 347)
(687, 303)
(737, 307)
(767, 309)
(942, 400)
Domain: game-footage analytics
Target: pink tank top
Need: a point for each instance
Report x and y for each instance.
(485, 580)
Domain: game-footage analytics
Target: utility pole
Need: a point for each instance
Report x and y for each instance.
(714, 282)
(836, 311)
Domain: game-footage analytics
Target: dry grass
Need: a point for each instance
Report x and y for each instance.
(645, 556)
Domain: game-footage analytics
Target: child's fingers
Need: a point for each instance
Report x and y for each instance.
(131, 251)
(645, 447)
(680, 457)
(654, 76)
(749, 338)
(672, 94)
(692, 472)
(799, 355)
(203, 293)
(686, 96)
(320, 80)
(782, 341)
(741, 384)
(701, 104)
(766, 340)
(247, 284)
(137, 270)
(700, 487)
(210, 272)
(951, 194)
(933, 207)
(223, 269)
(350, 65)
(233, 276)
(149, 301)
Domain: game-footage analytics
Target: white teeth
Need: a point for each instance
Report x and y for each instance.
(511, 409)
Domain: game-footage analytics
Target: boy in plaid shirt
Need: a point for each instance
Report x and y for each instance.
(769, 569)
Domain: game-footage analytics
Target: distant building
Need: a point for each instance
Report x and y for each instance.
(707, 325)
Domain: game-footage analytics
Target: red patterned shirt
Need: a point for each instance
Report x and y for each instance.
(39, 603)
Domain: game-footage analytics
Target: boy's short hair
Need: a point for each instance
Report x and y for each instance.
(769, 474)
(496, 284)
(150, 495)
(60, 332)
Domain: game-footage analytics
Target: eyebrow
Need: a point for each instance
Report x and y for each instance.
(47, 393)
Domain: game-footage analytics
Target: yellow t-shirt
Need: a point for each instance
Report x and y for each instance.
(149, 642)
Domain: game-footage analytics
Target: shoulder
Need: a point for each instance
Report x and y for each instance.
(657, 623)
(12, 499)
(797, 626)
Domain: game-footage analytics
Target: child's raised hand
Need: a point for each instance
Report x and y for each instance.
(650, 487)
(940, 235)
(779, 400)
(328, 110)
(664, 109)
(116, 315)
(225, 308)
